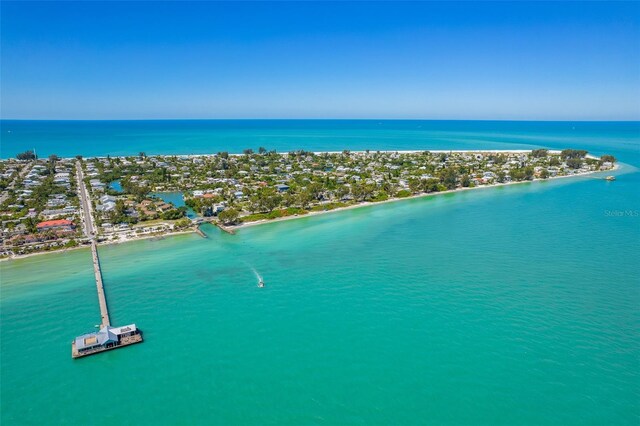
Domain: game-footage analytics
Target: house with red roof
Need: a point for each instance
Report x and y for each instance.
(58, 225)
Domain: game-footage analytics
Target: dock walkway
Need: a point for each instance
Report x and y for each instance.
(102, 300)
(108, 337)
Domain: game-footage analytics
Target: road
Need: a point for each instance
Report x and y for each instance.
(85, 203)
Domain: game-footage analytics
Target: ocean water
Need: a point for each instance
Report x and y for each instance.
(101, 138)
(509, 305)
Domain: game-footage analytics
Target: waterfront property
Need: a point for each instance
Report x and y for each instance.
(235, 189)
(61, 224)
(106, 339)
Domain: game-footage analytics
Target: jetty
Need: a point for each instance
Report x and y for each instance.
(224, 228)
(108, 337)
(200, 232)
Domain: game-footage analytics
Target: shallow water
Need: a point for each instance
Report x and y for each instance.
(509, 305)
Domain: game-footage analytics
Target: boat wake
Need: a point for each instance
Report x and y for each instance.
(258, 277)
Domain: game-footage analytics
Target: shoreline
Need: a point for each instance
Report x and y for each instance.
(358, 152)
(102, 243)
(411, 197)
(231, 229)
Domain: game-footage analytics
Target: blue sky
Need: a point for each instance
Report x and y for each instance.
(496, 60)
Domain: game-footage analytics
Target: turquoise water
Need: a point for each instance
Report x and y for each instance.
(510, 305)
(101, 138)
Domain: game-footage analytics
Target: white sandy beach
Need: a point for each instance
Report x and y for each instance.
(102, 243)
(362, 152)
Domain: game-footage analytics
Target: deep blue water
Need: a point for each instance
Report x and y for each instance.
(100, 138)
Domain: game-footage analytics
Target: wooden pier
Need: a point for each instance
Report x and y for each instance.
(102, 300)
(108, 337)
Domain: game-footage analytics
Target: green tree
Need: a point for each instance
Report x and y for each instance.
(415, 185)
(265, 199)
(71, 243)
(229, 216)
(528, 172)
(449, 177)
(430, 185)
(304, 198)
(517, 174)
(288, 199)
(30, 223)
(389, 188)
(573, 153)
(27, 155)
(362, 191)
(182, 223)
(574, 163)
(499, 159)
(174, 214)
(316, 189)
(272, 200)
(608, 158)
(341, 192)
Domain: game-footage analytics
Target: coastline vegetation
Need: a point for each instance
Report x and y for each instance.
(234, 189)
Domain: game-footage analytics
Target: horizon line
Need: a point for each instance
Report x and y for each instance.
(327, 119)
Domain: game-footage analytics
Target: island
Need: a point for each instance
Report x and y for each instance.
(62, 203)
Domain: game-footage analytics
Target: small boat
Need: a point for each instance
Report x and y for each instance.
(260, 283)
(610, 178)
